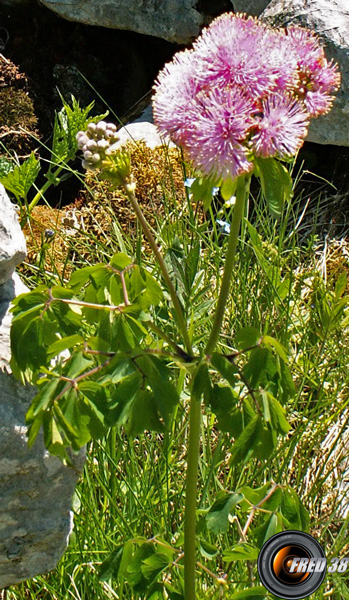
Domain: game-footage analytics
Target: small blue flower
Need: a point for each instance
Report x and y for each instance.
(223, 227)
(190, 180)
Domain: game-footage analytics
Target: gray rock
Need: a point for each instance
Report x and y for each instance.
(330, 20)
(36, 489)
(142, 128)
(36, 492)
(174, 20)
(251, 7)
(12, 243)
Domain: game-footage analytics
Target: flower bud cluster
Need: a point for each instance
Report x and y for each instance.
(95, 143)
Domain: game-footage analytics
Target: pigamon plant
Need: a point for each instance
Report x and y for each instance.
(238, 104)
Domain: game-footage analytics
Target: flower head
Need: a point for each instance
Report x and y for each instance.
(220, 122)
(282, 128)
(175, 93)
(243, 88)
(317, 77)
(95, 142)
(231, 52)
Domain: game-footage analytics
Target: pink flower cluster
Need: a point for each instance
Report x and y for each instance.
(243, 90)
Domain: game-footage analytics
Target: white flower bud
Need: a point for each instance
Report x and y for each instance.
(102, 144)
(87, 155)
(91, 145)
(95, 158)
(101, 127)
(91, 127)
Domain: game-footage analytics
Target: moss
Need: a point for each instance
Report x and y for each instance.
(18, 121)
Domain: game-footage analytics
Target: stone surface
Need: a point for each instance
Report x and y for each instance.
(330, 20)
(252, 7)
(12, 243)
(36, 489)
(173, 20)
(142, 128)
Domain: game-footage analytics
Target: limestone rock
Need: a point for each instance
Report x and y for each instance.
(36, 489)
(142, 128)
(36, 492)
(12, 242)
(174, 20)
(251, 7)
(330, 20)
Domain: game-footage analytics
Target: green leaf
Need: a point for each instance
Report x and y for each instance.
(122, 398)
(217, 518)
(152, 566)
(266, 442)
(207, 550)
(223, 402)
(227, 369)
(21, 178)
(228, 188)
(247, 337)
(276, 183)
(172, 593)
(253, 593)
(43, 399)
(81, 276)
(52, 437)
(120, 261)
(134, 571)
(201, 189)
(77, 364)
(341, 285)
(279, 349)
(63, 344)
(293, 511)
(191, 266)
(165, 396)
(275, 413)
(257, 366)
(245, 442)
(111, 565)
(242, 551)
(71, 119)
(34, 429)
(144, 415)
(269, 528)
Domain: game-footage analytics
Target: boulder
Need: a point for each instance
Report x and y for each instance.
(252, 7)
(36, 489)
(329, 19)
(176, 21)
(142, 129)
(12, 243)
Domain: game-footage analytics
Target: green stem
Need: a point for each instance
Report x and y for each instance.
(241, 193)
(175, 300)
(190, 497)
(44, 188)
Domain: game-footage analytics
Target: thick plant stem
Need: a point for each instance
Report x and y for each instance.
(175, 300)
(190, 497)
(241, 192)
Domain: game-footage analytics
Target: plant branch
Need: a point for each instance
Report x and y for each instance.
(241, 193)
(190, 495)
(148, 234)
